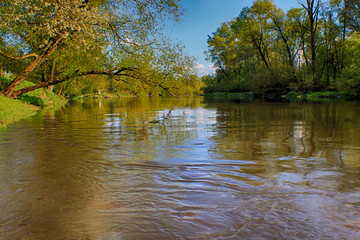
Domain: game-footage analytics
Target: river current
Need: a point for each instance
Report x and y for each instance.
(165, 168)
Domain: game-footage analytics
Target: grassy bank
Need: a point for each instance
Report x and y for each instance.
(28, 104)
(291, 96)
(12, 110)
(102, 95)
(244, 96)
(319, 96)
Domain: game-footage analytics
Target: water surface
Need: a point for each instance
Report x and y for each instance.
(161, 168)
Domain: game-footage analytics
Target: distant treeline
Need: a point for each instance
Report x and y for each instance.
(310, 48)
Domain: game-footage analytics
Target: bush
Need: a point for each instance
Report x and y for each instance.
(294, 96)
(33, 100)
(4, 81)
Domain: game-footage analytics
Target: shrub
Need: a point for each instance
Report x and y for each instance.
(33, 100)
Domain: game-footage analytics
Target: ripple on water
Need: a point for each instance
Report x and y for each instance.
(182, 169)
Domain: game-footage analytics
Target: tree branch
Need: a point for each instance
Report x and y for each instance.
(112, 73)
(19, 58)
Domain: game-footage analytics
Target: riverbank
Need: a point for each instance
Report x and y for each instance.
(291, 96)
(12, 110)
(27, 105)
(103, 95)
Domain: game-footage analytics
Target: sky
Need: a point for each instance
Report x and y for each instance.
(202, 18)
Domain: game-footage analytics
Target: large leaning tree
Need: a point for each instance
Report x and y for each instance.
(33, 32)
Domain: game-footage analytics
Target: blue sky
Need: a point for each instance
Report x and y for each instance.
(202, 17)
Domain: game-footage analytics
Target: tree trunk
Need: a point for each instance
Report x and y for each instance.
(52, 75)
(9, 91)
(291, 59)
(111, 73)
(261, 51)
(312, 8)
(40, 85)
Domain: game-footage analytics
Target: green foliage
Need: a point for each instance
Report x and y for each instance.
(244, 96)
(266, 50)
(294, 96)
(40, 97)
(316, 96)
(4, 81)
(77, 41)
(33, 100)
(350, 76)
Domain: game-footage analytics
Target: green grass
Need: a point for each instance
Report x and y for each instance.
(12, 110)
(27, 104)
(323, 96)
(328, 95)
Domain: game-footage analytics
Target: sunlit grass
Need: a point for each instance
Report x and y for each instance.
(27, 104)
(12, 110)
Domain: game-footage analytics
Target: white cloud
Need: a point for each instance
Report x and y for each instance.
(205, 69)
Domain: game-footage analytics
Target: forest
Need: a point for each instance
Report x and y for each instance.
(314, 47)
(83, 47)
(76, 47)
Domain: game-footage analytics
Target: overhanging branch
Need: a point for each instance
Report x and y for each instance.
(19, 58)
(111, 73)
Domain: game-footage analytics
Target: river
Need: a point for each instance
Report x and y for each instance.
(165, 168)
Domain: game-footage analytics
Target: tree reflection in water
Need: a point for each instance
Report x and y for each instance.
(157, 168)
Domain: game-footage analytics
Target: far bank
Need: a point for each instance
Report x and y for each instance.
(290, 96)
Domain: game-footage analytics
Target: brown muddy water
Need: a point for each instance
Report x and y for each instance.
(162, 168)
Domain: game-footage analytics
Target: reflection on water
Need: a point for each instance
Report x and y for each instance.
(182, 169)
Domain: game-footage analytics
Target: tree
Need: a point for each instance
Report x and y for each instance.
(41, 28)
(258, 29)
(312, 8)
(249, 50)
(352, 14)
(314, 47)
